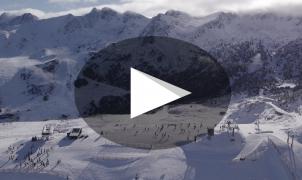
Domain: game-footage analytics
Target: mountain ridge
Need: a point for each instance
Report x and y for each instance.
(248, 46)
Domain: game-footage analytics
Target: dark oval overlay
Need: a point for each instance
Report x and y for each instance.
(102, 92)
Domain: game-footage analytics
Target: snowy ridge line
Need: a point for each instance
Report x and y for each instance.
(269, 101)
(281, 110)
(74, 39)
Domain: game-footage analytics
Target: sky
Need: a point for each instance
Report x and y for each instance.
(149, 8)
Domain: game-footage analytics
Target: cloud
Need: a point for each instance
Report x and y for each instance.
(36, 12)
(194, 7)
(204, 7)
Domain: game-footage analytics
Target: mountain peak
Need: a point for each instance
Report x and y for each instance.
(11, 19)
(176, 13)
(29, 16)
(104, 11)
(25, 18)
(94, 10)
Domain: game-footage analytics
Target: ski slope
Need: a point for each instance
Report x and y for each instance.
(250, 154)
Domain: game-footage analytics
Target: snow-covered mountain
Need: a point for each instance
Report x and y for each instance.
(8, 21)
(251, 47)
(94, 30)
(41, 58)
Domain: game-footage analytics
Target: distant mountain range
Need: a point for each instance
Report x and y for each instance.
(259, 51)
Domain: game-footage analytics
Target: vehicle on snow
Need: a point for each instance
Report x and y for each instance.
(47, 130)
(75, 133)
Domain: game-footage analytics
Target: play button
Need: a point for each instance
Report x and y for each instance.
(152, 92)
(148, 93)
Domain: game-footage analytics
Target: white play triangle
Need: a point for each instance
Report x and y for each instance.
(148, 92)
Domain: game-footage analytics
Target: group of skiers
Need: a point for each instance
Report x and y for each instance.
(38, 160)
(11, 150)
(32, 159)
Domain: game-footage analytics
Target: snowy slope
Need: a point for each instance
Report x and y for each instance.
(248, 155)
(10, 66)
